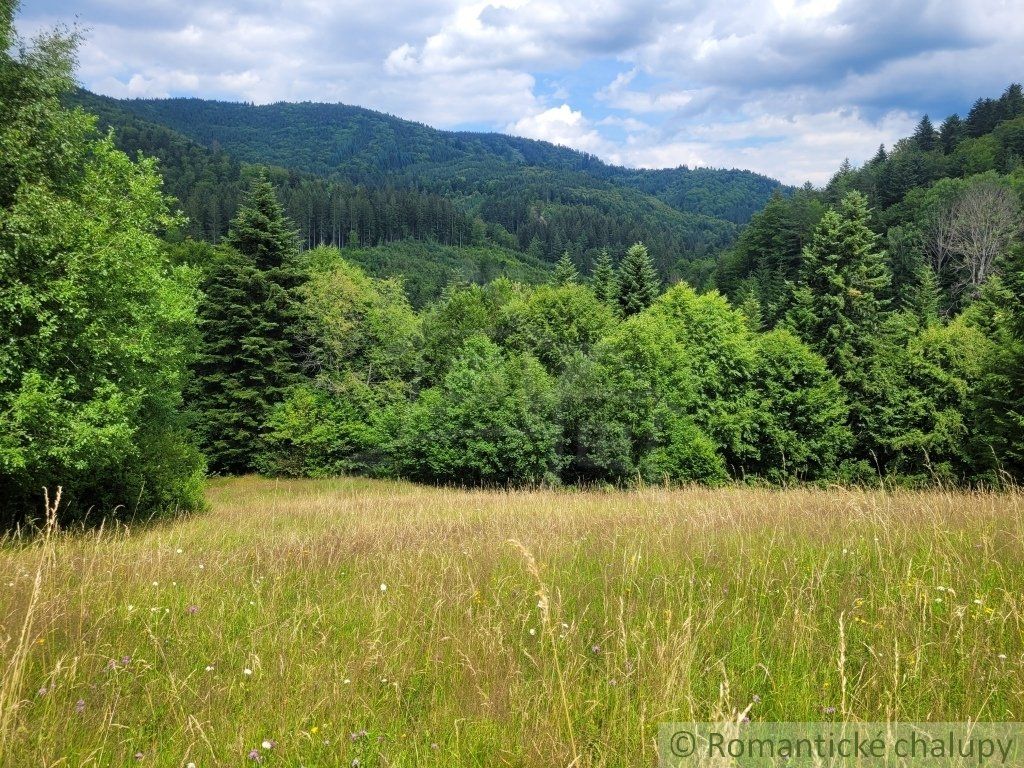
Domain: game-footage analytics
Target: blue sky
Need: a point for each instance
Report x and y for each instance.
(784, 87)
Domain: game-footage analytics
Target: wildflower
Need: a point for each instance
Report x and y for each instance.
(190, 765)
(433, 745)
(112, 664)
(201, 566)
(254, 755)
(126, 660)
(355, 762)
(1002, 655)
(156, 583)
(179, 550)
(43, 691)
(533, 631)
(80, 706)
(977, 602)
(193, 609)
(139, 755)
(383, 587)
(315, 730)
(756, 699)
(829, 710)
(595, 648)
(247, 672)
(209, 667)
(346, 681)
(268, 744)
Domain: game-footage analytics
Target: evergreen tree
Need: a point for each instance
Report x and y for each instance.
(1002, 407)
(924, 134)
(260, 230)
(247, 319)
(982, 118)
(880, 155)
(840, 305)
(1011, 103)
(604, 281)
(565, 271)
(951, 132)
(638, 280)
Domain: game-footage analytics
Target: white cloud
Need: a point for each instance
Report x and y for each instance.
(563, 125)
(787, 87)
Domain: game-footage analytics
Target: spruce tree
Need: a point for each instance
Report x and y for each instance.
(951, 132)
(1001, 412)
(247, 319)
(638, 280)
(839, 306)
(565, 271)
(839, 303)
(604, 281)
(924, 135)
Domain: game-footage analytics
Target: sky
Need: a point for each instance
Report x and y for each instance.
(788, 88)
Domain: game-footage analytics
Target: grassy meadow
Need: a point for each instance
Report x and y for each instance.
(361, 623)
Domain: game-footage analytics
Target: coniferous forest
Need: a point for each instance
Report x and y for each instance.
(192, 287)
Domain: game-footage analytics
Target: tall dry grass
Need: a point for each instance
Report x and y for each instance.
(392, 624)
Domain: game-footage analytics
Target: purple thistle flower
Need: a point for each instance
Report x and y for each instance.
(43, 691)
(596, 648)
(80, 706)
(193, 609)
(829, 710)
(254, 755)
(126, 660)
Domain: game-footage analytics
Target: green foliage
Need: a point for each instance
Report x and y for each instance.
(638, 280)
(840, 301)
(553, 323)
(801, 415)
(565, 271)
(767, 256)
(462, 312)
(637, 422)
(248, 321)
(427, 268)
(489, 421)
(97, 324)
(923, 394)
(361, 346)
(604, 282)
(1000, 315)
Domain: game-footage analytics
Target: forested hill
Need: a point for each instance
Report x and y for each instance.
(549, 198)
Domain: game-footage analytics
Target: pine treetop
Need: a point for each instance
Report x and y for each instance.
(638, 280)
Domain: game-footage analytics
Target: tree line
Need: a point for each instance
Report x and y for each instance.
(840, 348)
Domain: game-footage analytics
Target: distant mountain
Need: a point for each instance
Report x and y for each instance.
(530, 195)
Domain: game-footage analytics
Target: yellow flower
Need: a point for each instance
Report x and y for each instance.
(315, 729)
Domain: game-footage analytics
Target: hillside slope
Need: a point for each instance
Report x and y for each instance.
(550, 198)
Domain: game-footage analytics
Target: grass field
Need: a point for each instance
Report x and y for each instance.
(322, 623)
